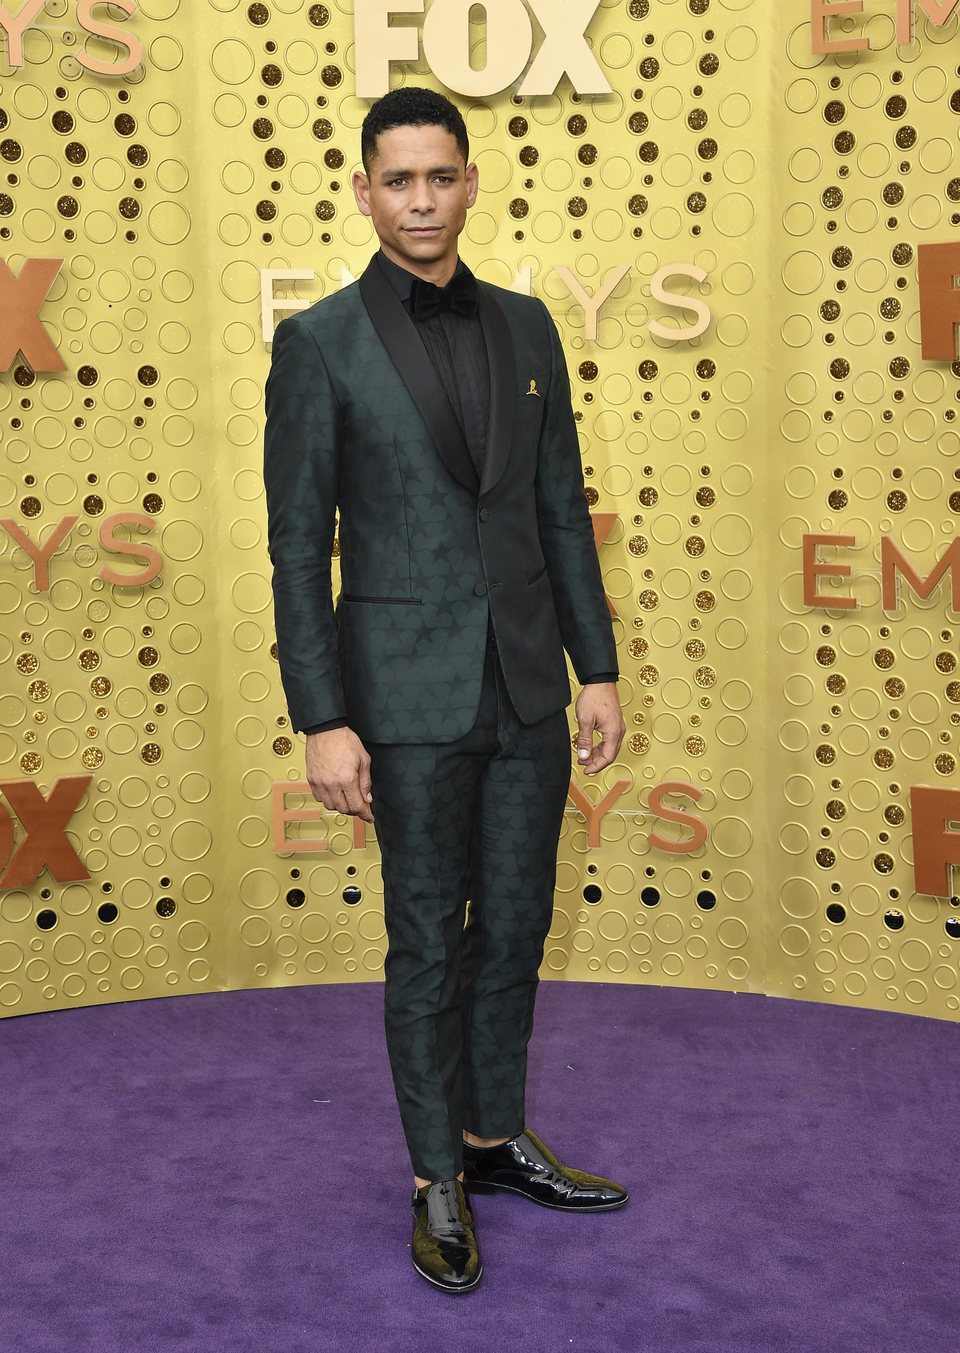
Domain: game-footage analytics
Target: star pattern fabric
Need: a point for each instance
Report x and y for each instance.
(450, 329)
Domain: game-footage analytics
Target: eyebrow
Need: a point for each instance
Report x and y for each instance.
(450, 169)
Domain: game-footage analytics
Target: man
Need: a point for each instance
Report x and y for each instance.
(434, 412)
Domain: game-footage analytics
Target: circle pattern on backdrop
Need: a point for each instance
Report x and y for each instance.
(708, 460)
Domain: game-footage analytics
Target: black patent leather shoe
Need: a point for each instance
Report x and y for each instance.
(525, 1165)
(444, 1246)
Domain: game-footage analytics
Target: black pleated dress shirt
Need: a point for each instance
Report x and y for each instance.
(458, 351)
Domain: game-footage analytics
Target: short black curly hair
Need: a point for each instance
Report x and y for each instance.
(411, 106)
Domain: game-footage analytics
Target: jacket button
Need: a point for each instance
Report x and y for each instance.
(480, 590)
(484, 513)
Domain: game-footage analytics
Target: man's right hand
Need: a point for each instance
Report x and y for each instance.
(338, 771)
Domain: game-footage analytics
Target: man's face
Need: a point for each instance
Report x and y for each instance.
(417, 194)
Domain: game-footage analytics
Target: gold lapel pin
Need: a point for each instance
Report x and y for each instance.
(533, 389)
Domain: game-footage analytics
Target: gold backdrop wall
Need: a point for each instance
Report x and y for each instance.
(799, 186)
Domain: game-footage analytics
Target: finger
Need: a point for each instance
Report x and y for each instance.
(359, 791)
(611, 732)
(356, 802)
(338, 799)
(585, 727)
(366, 790)
(605, 752)
(605, 756)
(599, 758)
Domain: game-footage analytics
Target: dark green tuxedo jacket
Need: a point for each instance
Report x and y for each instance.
(357, 420)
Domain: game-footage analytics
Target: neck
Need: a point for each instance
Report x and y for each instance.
(438, 271)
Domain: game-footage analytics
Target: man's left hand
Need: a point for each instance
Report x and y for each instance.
(598, 707)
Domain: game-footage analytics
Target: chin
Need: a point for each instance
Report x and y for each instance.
(427, 251)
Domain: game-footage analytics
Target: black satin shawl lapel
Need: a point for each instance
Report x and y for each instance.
(411, 359)
(503, 383)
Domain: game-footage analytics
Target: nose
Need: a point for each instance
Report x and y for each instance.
(423, 200)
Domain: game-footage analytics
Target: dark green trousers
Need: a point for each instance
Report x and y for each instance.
(475, 819)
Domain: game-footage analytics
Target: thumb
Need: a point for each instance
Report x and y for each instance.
(585, 738)
(365, 781)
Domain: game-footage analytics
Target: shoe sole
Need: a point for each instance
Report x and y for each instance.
(554, 1207)
(443, 1287)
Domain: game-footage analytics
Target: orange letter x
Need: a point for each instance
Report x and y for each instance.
(45, 822)
(20, 328)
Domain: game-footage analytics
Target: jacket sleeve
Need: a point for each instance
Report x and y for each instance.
(566, 532)
(300, 454)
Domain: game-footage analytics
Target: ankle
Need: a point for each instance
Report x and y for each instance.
(484, 1143)
(419, 1183)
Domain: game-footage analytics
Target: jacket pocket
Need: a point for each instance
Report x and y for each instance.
(390, 601)
(537, 576)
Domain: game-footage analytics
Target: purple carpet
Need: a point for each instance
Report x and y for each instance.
(226, 1172)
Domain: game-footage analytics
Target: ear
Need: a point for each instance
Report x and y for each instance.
(361, 191)
(473, 183)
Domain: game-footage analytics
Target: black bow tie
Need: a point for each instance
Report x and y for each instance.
(461, 295)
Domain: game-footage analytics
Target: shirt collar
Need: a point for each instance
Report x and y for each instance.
(402, 280)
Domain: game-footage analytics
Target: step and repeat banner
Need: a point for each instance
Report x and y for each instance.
(745, 219)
